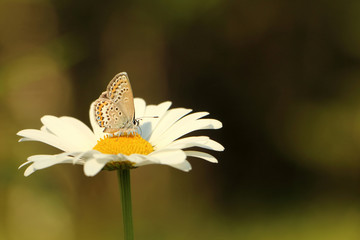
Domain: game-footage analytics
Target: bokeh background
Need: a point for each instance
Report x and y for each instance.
(282, 76)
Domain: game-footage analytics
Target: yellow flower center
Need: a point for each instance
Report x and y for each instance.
(125, 144)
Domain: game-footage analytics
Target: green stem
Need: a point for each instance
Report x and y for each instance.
(124, 181)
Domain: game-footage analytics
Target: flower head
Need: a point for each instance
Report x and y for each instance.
(158, 140)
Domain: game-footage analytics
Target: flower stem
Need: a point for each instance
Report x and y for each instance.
(124, 181)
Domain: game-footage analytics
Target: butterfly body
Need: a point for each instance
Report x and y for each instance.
(114, 109)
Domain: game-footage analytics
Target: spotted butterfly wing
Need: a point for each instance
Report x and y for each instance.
(119, 91)
(114, 109)
(106, 116)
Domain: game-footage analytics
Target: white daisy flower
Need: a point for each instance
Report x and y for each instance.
(156, 143)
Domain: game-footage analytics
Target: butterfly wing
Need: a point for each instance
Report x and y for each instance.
(114, 110)
(119, 91)
(106, 115)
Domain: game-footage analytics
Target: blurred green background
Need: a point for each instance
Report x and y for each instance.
(282, 76)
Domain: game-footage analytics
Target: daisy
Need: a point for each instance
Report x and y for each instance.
(158, 140)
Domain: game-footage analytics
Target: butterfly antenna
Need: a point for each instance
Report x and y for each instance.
(141, 118)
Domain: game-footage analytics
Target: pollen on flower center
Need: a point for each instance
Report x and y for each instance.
(127, 145)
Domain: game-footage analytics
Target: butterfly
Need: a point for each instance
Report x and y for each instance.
(114, 110)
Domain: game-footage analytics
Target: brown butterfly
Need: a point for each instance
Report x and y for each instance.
(114, 109)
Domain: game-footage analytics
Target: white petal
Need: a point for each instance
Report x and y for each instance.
(98, 131)
(29, 171)
(184, 166)
(150, 122)
(168, 156)
(51, 160)
(66, 132)
(41, 157)
(109, 157)
(41, 136)
(139, 160)
(201, 141)
(80, 157)
(25, 163)
(26, 139)
(188, 127)
(213, 145)
(94, 165)
(187, 120)
(202, 155)
(80, 128)
(172, 158)
(44, 161)
(167, 121)
(140, 105)
(188, 142)
(44, 129)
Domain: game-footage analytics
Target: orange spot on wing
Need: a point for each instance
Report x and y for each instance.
(116, 86)
(101, 105)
